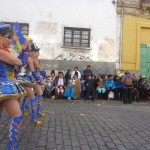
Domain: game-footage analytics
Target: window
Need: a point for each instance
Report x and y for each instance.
(23, 26)
(76, 37)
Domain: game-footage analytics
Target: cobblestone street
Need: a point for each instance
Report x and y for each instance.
(86, 125)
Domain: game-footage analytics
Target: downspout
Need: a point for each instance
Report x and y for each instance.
(121, 34)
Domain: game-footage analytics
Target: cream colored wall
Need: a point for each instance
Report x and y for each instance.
(136, 31)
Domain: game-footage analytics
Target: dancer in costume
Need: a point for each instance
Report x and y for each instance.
(10, 90)
(37, 87)
(25, 77)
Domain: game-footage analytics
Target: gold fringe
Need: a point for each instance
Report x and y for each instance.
(9, 96)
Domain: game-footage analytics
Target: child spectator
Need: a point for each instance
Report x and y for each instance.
(110, 85)
(100, 90)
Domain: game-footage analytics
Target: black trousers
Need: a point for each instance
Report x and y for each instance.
(119, 94)
(143, 94)
(100, 96)
(90, 91)
(127, 95)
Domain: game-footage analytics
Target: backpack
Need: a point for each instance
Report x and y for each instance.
(128, 81)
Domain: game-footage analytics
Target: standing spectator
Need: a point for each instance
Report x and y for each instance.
(87, 72)
(77, 72)
(119, 88)
(128, 82)
(110, 86)
(68, 76)
(135, 88)
(89, 85)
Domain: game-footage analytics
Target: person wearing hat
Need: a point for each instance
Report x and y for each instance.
(28, 77)
(135, 90)
(128, 90)
(10, 90)
(143, 87)
(37, 87)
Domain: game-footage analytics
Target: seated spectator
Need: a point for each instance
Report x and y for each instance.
(105, 77)
(68, 76)
(77, 72)
(110, 86)
(60, 84)
(119, 88)
(96, 80)
(143, 88)
(135, 88)
(89, 85)
(50, 87)
(100, 89)
(73, 89)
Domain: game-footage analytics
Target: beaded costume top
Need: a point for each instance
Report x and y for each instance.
(8, 89)
(4, 69)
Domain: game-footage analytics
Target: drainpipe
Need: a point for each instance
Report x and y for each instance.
(121, 34)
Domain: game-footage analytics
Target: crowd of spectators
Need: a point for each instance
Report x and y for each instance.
(125, 87)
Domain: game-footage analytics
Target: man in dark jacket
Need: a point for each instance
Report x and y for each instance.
(87, 72)
(89, 85)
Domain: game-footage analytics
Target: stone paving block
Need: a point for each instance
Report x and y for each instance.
(103, 148)
(75, 144)
(41, 143)
(84, 147)
(76, 148)
(83, 141)
(68, 148)
(107, 139)
(110, 145)
(51, 145)
(67, 142)
(59, 141)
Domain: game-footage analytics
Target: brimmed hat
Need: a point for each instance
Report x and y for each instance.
(4, 26)
(143, 77)
(34, 48)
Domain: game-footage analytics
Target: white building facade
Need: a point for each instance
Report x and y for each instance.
(48, 18)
